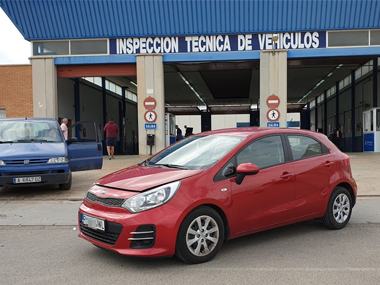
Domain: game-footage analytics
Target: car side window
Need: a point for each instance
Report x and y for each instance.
(304, 147)
(263, 152)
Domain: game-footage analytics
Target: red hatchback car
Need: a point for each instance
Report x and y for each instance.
(204, 190)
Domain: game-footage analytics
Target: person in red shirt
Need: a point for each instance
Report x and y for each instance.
(111, 130)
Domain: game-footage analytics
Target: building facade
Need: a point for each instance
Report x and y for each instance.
(205, 58)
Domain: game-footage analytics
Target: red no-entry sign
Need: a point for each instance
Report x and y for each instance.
(273, 101)
(150, 103)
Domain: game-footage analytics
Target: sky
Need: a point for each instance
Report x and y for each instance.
(13, 48)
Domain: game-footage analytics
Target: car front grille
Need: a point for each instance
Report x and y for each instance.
(110, 202)
(143, 237)
(109, 236)
(26, 162)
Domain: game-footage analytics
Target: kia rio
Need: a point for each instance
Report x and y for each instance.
(193, 196)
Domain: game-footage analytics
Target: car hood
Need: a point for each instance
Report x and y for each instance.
(140, 178)
(32, 150)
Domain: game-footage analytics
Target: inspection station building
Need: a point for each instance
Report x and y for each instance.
(142, 62)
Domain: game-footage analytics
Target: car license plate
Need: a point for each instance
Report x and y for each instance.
(92, 222)
(27, 179)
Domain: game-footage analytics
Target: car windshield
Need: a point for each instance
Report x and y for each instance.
(29, 131)
(197, 152)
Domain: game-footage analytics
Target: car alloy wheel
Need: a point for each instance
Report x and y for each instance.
(338, 211)
(341, 208)
(200, 236)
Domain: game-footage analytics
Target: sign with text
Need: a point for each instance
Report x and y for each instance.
(151, 126)
(273, 124)
(217, 43)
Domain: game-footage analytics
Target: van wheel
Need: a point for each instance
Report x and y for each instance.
(66, 186)
(339, 209)
(200, 236)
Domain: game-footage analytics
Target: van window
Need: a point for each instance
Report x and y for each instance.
(29, 131)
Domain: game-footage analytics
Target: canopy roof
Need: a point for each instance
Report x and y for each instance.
(73, 19)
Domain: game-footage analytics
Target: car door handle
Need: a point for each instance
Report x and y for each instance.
(286, 175)
(329, 163)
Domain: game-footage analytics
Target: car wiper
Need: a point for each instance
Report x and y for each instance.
(145, 163)
(32, 140)
(171, 166)
(6, 141)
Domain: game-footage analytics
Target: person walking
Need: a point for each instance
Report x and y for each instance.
(64, 127)
(111, 130)
(179, 133)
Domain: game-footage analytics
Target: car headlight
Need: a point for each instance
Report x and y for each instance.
(58, 160)
(152, 198)
(2, 162)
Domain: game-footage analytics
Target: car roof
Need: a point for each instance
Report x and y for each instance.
(28, 119)
(248, 131)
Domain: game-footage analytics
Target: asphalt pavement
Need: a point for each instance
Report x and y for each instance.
(39, 243)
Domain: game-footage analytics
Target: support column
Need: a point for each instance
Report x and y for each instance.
(374, 80)
(316, 114)
(45, 95)
(150, 83)
(273, 80)
(77, 100)
(123, 135)
(104, 100)
(337, 122)
(353, 123)
(325, 130)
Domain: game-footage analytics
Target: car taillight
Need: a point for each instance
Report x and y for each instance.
(347, 163)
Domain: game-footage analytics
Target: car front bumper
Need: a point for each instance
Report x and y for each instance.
(52, 174)
(152, 233)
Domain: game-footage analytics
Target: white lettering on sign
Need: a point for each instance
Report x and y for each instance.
(208, 43)
(290, 40)
(218, 43)
(147, 45)
(245, 42)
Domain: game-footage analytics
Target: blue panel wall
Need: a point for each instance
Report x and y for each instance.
(70, 19)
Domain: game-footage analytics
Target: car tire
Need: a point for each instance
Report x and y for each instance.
(200, 236)
(66, 186)
(339, 209)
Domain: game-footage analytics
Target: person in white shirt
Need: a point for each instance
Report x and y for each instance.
(64, 127)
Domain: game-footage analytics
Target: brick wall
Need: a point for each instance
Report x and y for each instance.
(16, 91)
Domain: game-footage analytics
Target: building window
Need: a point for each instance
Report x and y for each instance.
(51, 48)
(89, 47)
(2, 114)
(349, 38)
(375, 38)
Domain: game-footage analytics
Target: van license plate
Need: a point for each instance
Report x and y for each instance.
(27, 179)
(93, 223)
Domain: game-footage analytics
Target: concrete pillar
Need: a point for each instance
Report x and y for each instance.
(273, 81)
(150, 82)
(45, 96)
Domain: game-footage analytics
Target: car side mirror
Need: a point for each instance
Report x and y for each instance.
(245, 169)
